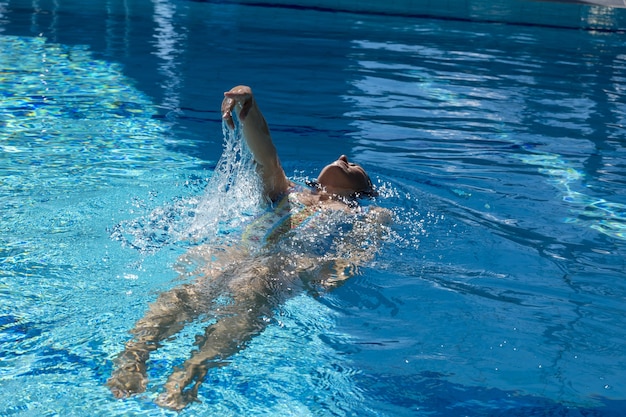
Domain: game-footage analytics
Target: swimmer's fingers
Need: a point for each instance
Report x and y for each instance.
(240, 93)
(228, 104)
(240, 96)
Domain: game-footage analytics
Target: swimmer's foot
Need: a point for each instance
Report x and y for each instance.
(127, 381)
(174, 400)
(130, 377)
(176, 397)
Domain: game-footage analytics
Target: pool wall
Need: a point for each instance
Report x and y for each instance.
(568, 14)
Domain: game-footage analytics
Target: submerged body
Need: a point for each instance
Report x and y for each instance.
(311, 239)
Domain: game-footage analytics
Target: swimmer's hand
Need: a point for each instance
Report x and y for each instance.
(258, 137)
(240, 99)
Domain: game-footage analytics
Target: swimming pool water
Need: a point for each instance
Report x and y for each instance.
(499, 147)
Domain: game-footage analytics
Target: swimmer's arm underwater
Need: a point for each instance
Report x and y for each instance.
(258, 138)
(360, 245)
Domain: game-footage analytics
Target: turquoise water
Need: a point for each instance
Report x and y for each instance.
(499, 148)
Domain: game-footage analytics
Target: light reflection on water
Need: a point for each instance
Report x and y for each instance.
(71, 114)
(499, 150)
(476, 123)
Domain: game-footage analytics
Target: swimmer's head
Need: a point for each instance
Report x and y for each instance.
(345, 179)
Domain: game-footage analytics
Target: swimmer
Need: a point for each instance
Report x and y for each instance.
(311, 239)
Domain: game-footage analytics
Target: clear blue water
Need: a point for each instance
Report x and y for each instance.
(499, 147)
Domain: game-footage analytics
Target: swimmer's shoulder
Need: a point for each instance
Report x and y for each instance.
(311, 198)
(303, 195)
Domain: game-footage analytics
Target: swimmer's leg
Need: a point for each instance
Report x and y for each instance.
(221, 340)
(165, 317)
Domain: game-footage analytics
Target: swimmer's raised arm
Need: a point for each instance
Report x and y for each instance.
(258, 138)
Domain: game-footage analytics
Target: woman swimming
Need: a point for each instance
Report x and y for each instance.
(311, 239)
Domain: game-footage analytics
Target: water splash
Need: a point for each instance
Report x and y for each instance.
(232, 197)
(234, 194)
